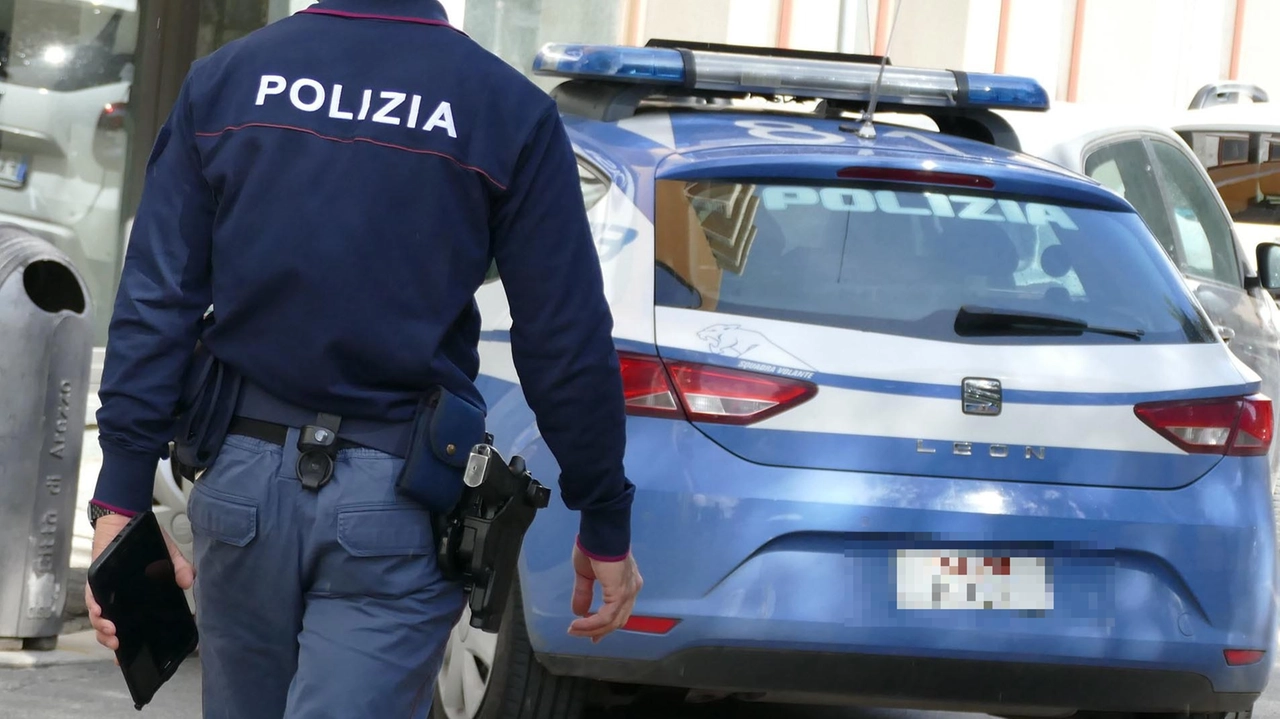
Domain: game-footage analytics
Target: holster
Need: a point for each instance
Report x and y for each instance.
(205, 409)
(445, 429)
(480, 541)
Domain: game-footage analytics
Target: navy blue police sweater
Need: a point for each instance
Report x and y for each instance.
(336, 185)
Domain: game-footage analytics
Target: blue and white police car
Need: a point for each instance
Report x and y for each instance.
(916, 420)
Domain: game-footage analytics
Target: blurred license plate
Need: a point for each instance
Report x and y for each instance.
(956, 579)
(13, 169)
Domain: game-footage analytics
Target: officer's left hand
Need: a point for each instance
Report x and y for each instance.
(620, 582)
(106, 529)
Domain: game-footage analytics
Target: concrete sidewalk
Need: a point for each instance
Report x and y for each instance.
(78, 647)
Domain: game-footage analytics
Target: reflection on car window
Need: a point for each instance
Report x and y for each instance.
(594, 185)
(67, 45)
(1205, 236)
(901, 261)
(1248, 183)
(1125, 167)
(225, 21)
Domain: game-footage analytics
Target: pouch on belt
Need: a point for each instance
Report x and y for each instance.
(207, 404)
(445, 429)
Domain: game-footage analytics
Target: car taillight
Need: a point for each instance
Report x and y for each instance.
(112, 116)
(1242, 657)
(1232, 426)
(650, 625)
(705, 393)
(894, 174)
(646, 387)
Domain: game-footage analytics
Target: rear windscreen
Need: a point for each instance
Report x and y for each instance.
(903, 260)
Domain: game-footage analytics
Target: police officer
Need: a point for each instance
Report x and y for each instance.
(335, 185)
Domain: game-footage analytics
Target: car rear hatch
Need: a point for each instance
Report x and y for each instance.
(65, 70)
(1007, 326)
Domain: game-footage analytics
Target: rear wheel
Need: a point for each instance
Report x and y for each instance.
(495, 676)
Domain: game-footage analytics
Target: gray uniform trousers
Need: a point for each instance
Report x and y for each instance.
(315, 604)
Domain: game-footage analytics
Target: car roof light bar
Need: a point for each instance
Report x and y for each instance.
(725, 71)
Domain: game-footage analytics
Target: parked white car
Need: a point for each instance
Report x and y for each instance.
(66, 67)
(1136, 154)
(1235, 141)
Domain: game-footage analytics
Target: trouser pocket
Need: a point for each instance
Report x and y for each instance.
(383, 549)
(220, 517)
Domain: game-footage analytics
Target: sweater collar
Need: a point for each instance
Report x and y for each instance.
(411, 10)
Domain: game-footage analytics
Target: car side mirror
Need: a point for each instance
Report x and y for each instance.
(1269, 266)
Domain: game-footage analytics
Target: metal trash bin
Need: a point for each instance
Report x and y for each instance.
(46, 346)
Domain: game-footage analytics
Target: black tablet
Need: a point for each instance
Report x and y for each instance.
(133, 581)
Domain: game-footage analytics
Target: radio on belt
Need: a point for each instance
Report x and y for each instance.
(480, 540)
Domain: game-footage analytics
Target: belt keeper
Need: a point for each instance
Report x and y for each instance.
(317, 445)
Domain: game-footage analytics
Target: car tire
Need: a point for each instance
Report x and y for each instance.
(516, 686)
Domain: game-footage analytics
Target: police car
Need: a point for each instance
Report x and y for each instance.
(915, 419)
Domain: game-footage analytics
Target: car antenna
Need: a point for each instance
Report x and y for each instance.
(868, 131)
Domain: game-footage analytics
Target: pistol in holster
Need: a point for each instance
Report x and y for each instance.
(480, 505)
(480, 540)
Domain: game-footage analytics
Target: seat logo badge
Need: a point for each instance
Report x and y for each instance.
(981, 396)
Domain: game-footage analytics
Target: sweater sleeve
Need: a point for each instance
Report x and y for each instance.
(561, 337)
(164, 292)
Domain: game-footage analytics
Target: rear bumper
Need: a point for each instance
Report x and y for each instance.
(786, 581)
(912, 682)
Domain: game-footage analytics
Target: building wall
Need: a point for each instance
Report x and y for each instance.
(1155, 52)
(1038, 43)
(1260, 63)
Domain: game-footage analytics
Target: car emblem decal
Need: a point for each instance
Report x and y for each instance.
(981, 396)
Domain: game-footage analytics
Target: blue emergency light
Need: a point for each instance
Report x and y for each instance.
(726, 71)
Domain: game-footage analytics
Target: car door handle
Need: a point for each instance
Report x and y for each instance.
(1226, 333)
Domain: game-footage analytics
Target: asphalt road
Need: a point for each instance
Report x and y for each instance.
(96, 691)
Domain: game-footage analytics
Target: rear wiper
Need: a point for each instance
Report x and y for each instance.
(977, 321)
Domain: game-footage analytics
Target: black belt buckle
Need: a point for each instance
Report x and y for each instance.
(317, 444)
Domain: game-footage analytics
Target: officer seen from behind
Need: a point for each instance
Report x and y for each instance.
(336, 185)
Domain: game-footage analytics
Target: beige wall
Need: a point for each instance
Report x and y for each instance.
(815, 24)
(1155, 52)
(1261, 61)
(703, 20)
(1038, 42)
(930, 33)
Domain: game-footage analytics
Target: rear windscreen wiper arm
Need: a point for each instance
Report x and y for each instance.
(977, 321)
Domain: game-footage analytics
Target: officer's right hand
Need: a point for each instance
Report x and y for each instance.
(620, 582)
(105, 530)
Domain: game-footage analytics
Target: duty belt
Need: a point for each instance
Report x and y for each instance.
(257, 404)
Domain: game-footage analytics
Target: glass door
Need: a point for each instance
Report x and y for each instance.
(66, 73)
